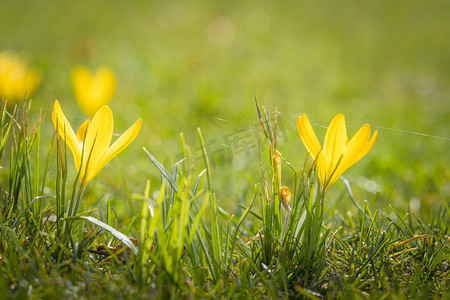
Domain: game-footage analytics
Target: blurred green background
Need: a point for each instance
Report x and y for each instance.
(187, 64)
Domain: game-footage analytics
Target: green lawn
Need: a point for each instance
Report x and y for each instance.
(184, 65)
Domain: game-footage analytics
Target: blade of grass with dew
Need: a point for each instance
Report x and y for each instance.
(120, 236)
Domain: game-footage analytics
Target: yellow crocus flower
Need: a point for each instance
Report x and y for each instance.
(16, 79)
(90, 145)
(338, 153)
(92, 91)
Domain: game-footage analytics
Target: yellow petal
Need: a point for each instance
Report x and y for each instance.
(312, 144)
(81, 133)
(66, 132)
(16, 79)
(353, 148)
(121, 143)
(105, 78)
(359, 151)
(308, 136)
(101, 90)
(93, 91)
(98, 138)
(334, 144)
(82, 82)
(368, 147)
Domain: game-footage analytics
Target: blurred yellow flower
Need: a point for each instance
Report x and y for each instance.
(16, 79)
(90, 145)
(93, 90)
(338, 153)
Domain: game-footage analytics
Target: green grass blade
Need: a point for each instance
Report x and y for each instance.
(163, 171)
(120, 236)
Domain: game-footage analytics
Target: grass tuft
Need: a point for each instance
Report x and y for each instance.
(182, 242)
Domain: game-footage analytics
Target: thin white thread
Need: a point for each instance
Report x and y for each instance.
(397, 130)
(413, 132)
(281, 115)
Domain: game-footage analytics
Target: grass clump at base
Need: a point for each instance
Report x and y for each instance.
(179, 241)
